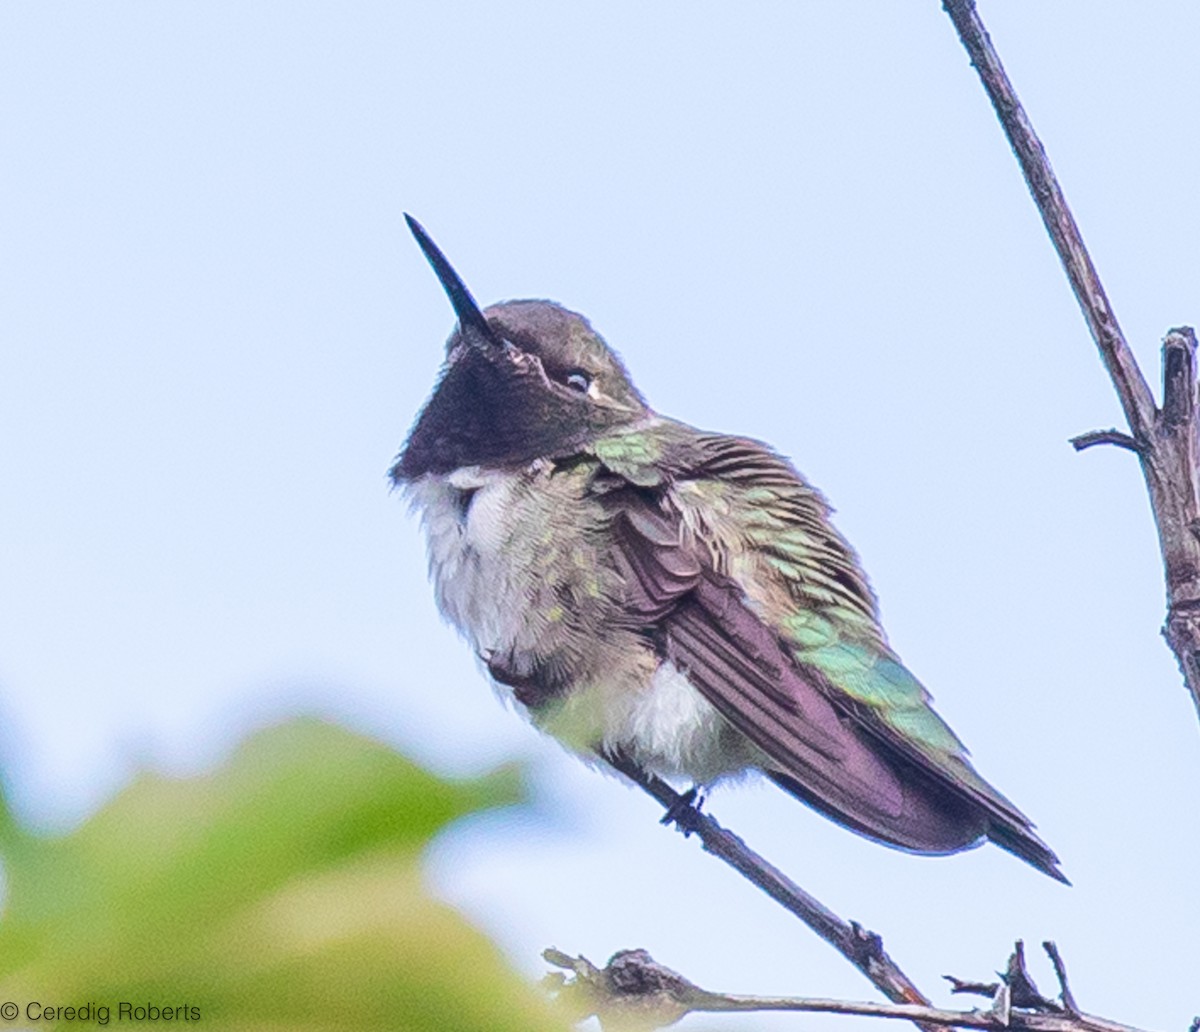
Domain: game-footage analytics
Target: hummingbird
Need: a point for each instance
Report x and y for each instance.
(651, 593)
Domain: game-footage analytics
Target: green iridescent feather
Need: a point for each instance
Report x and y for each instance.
(831, 621)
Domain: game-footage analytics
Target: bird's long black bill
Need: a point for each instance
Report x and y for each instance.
(469, 315)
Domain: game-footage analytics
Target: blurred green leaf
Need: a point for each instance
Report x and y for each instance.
(281, 891)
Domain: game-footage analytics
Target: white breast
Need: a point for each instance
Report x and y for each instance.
(471, 567)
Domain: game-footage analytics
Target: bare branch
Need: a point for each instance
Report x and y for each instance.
(862, 948)
(1165, 441)
(636, 992)
(1132, 389)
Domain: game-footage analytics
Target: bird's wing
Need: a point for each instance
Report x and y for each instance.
(731, 561)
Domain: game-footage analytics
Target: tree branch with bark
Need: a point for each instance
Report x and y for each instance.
(635, 993)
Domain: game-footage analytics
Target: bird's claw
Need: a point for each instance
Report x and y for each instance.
(685, 811)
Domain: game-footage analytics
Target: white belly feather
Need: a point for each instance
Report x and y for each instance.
(642, 706)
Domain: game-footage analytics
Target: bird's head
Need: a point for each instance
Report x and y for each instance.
(522, 380)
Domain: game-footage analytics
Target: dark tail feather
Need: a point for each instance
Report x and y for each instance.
(936, 822)
(1024, 843)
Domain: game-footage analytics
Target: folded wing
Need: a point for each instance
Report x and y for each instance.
(841, 723)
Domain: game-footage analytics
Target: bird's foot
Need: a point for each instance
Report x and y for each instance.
(684, 813)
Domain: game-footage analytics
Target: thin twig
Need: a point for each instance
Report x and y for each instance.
(1165, 440)
(1060, 972)
(1094, 437)
(973, 988)
(862, 948)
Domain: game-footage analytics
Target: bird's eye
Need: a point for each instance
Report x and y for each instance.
(578, 380)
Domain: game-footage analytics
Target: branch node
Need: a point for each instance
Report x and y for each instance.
(632, 991)
(1024, 992)
(868, 945)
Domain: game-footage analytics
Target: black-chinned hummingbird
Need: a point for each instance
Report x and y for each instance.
(675, 598)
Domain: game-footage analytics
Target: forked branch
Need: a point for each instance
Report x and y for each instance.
(1164, 440)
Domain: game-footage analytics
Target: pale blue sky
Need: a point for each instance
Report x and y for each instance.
(795, 220)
